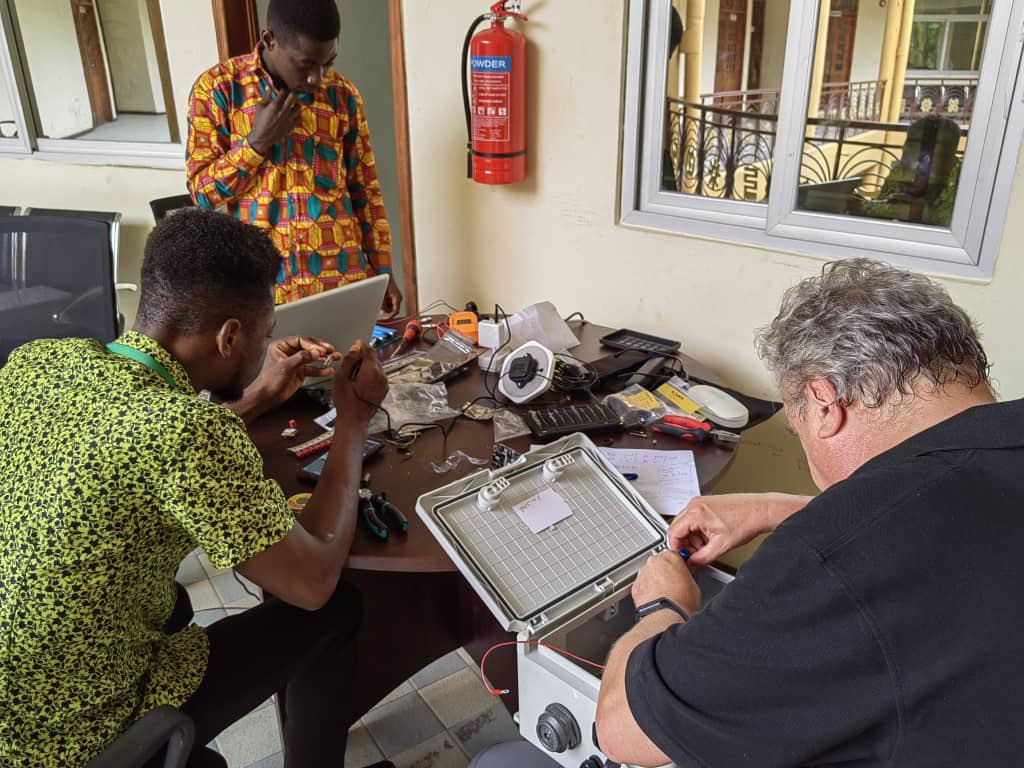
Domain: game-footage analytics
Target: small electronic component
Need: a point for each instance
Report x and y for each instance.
(312, 446)
(503, 455)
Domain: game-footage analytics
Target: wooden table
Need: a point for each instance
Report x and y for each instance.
(417, 607)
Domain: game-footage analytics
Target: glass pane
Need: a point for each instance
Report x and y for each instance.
(966, 42)
(8, 118)
(951, 7)
(880, 143)
(97, 70)
(925, 45)
(722, 97)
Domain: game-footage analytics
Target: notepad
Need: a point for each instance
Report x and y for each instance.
(666, 479)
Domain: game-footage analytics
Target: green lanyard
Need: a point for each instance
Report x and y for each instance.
(141, 357)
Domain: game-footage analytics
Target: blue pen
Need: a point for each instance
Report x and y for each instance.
(631, 475)
(685, 554)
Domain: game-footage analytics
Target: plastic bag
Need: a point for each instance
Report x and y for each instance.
(508, 425)
(452, 352)
(637, 406)
(412, 403)
(455, 460)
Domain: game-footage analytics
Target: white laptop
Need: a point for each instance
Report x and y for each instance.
(340, 316)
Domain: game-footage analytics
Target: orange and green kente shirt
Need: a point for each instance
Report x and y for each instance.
(316, 193)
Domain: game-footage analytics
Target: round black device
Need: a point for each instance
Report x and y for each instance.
(557, 729)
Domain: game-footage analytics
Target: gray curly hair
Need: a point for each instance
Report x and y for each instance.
(873, 331)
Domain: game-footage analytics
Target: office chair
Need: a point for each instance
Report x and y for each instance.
(159, 728)
(165, 205)
(56, 280)
(112, 220)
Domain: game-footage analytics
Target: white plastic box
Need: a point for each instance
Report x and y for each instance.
(567, 586)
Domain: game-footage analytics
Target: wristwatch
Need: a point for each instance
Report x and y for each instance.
(656, 605)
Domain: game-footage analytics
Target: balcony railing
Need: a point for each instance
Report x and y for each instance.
(728, 154)
(950, 97)
(861, 101)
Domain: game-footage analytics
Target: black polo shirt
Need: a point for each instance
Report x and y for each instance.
(881, 625)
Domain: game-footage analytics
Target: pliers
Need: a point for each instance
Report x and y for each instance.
(694, 430)
(378, 514)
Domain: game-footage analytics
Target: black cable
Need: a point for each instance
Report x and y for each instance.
(465, 92)
(243, 586)
(574, 314)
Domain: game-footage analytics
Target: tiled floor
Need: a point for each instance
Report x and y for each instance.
(439, 718)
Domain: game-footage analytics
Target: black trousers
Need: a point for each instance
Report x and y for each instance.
(274, 646)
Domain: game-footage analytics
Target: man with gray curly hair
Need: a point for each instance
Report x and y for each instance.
(878, 624)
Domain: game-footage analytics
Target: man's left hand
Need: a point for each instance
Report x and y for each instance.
(392, 299)
(667, 575)
(288, 362)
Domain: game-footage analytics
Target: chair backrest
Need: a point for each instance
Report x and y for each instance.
(111, 218)
(928, 157)
(165, 205)
(56, 281)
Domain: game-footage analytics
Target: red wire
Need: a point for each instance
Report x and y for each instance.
(501, 691)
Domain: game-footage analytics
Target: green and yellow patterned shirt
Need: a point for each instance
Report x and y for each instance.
(108, 478)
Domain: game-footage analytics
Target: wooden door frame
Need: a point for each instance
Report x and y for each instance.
(237, 27)
(742, 46)
(396, 27)
(238, 32)
(101, 97)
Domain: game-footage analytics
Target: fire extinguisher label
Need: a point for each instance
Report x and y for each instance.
(492, 80)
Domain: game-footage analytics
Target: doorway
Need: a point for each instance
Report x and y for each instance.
(732, 36)
(87, 28)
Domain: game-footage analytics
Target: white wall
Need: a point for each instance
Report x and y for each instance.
(555, 235)
(776, 28)
(191, 49)
(55, 64)
(867, 44)
(131, 56)
(709, 58)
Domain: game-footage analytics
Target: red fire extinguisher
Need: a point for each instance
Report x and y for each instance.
(494, 70)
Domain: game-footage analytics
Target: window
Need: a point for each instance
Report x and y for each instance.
(814, 127)
(89, 78)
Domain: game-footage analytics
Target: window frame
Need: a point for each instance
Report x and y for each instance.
(967, 248)
(946, 20)
(169, 155)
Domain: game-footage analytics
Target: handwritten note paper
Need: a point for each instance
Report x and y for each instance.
(543, 510)
(666, 479)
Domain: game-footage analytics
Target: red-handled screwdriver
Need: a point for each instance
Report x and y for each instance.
(413, 330)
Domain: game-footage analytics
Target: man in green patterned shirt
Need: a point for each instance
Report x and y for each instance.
(113, 468)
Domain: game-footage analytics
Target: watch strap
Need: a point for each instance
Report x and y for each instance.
(660, 604)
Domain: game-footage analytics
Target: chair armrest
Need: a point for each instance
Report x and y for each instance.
(163, 726)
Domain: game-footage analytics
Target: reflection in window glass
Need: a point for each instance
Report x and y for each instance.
(722, 96)
(925, 45)
(98, 71)
(964, 49)
(8, 119)
(881, 143)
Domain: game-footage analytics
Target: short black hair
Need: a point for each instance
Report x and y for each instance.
(318, 20)
(202, 268)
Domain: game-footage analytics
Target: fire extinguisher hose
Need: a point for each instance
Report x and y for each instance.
(465, 92)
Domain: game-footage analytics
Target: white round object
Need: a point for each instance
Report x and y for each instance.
(718, 406)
